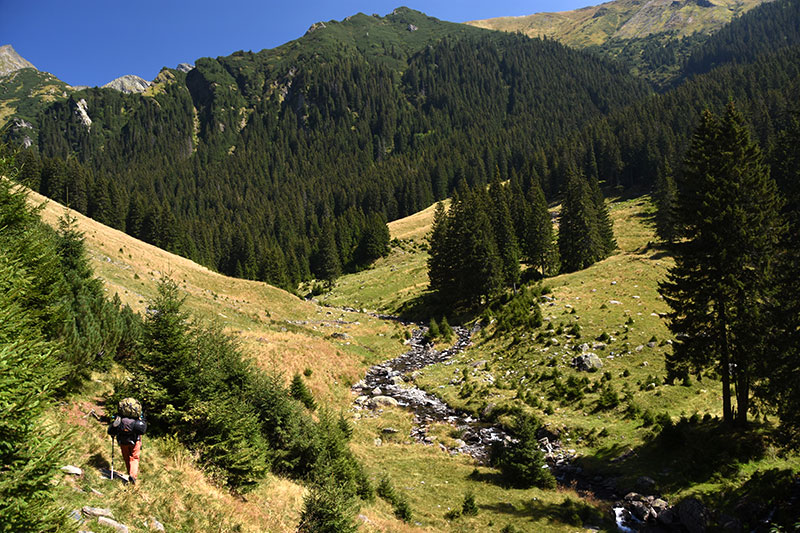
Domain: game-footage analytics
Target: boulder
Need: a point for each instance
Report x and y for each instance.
(693, 515)
(382, 400)
(72, 470)
(96, 511)
(645, 484)
(587, 362)
(155, 525)
(105, 521)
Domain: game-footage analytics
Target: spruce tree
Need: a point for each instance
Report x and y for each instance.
(665, 198)
(605, 228)
(579, 238)
(782, 369)
(440, 264)
(540, 246)
(504, 234)
(723, 278)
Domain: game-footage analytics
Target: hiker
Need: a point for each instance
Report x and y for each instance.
(128, 427)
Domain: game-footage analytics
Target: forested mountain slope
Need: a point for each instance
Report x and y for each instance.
(257, 164)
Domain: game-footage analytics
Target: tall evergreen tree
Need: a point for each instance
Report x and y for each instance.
(665, 197)
(504, 234)
(440, 264)
(579, 239)
(723, 278)
(539, 245)
(782, 369)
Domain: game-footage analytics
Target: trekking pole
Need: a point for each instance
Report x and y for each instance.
(112, 457)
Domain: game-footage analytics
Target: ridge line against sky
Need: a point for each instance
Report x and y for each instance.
(91, 42)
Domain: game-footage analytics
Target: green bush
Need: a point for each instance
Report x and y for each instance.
(521, 463)
(300, 392)
(469, 507)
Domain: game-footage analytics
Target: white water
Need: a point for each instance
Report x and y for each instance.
(621, 527)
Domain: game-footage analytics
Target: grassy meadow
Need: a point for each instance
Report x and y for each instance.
(607, 417)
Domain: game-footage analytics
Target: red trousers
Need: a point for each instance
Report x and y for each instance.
(130, 452)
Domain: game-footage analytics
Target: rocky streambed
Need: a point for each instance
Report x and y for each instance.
(392, 383)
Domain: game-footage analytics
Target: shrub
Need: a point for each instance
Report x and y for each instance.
(445, 330)
(609, 399)
(469, 508)
(522, 463)
(301, 393)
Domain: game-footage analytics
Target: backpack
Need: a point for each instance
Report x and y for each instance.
(129, 408)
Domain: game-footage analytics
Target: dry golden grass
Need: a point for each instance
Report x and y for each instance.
(282, 332)
(414, 227)
(593, 25)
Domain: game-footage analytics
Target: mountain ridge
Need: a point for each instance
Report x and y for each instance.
(11, 61)
(624, 19)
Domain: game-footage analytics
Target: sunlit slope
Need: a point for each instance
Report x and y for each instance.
(281, 331)
(624, 19)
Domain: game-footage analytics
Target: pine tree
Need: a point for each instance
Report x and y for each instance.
(724, 268)
(440, 264)
(781, 371)
(540, 245)
(504, 234)
(299, 391)
(579, 239)
(605, 227)
(665, 197)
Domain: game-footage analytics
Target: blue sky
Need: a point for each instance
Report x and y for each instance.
(91, 42)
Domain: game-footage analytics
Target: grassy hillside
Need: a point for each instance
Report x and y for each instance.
(612, 419)
(528, 369)
(624, 19)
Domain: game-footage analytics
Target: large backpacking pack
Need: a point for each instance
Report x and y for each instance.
(129, 408)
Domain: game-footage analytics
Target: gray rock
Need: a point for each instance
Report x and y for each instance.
(103, 520)
(382, 400)
(487, 411)
(693, 515)
(390, 430)
(184, 67)
(96, 511)
(377, 391)
(639, 509)
(667, 517)
(75, 514)
(128, 84)
(72, 470)
(645, 484)
(587, 362)
(339, 335)
(378, 442)
(11, 61)
(155, 525)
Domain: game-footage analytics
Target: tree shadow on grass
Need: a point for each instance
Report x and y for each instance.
(569, 512)
(682, 454)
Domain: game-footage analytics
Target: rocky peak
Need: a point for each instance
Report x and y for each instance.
(184, 67)
(128, 84)
(10, 60)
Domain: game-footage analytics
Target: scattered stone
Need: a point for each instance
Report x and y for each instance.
(390, 430)
(154, 525)
(75, 514)
(587, 362)
(645, 484)
(693, 515)
(615, 302)
(96, 511)
(377, 391)
(584, 347)
(639, 348)
(378, 441)
(382, 400)
(72, 470)
(97, 493)
(479, 364)
(651, 344)
(105, 521)
(487, 411)
(338, 335)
